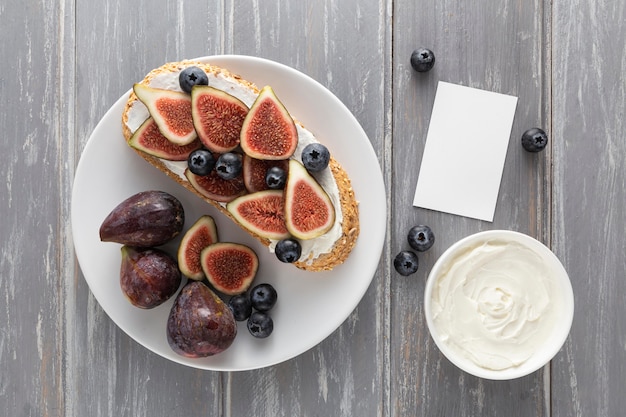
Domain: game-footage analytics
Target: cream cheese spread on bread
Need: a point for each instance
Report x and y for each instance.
(312, 248)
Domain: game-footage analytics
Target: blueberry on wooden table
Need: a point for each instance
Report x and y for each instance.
(421, 238)
(534, 140)
(422, 60)
(406, 263)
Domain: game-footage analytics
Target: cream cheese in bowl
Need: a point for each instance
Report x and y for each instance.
(499, 304)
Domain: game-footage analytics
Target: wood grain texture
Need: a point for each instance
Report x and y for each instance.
(67, 61)
(589, 134)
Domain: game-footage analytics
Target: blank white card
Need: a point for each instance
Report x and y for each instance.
(465, 150)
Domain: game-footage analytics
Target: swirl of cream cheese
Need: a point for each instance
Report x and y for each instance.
(495, 303)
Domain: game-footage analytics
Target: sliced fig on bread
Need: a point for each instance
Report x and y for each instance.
(171, 110)
(262, 213)
(149, 139)
(215, 187)
(255, 171)
(268, 131)
(217, 118)
(309, 213)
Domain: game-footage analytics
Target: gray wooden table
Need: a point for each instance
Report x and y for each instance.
(65, 62)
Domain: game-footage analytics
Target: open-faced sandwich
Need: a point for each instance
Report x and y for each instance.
(237, 147)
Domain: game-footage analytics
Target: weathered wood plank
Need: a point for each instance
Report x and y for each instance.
(34, 50)
(589, 110)
(345, 46)
(489, 45)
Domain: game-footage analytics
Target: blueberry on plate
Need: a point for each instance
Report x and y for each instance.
(275, 178)
(315, 157)
(241, 306)
(228, 165)
(406, 263)
(260, 324)
(263, 297)
(421, 238)
(201, 162)
(191, 76)
(422, 60)
(288, 250)
(534, 140)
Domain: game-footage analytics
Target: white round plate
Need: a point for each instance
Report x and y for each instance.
(311, 305)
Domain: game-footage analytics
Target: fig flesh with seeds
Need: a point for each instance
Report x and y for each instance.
(262, 213)
(229, 267)
(149, 139)
(145, 219)
(200, 324)
(216, 188)
(309, 212)
(200, 235)
(171, 111)
(217, 118)
(255, 170)
(268, 131)
(148, 276)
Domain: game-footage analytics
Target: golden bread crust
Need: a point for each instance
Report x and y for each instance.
(349, 205)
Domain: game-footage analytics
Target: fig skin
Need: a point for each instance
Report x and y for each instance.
(146, 219)
(148, 276)
(200, 324)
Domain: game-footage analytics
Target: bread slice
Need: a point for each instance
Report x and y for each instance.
(346, 205)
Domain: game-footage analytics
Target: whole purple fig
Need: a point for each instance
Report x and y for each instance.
(146, 219)
(148, 276)
(200, 324)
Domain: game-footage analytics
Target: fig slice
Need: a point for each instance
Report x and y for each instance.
(149, 139)
(217, 118)
(254, 171)
(200, 235)
(171, 111)
(262, 213)
(148, 218)
(229, 267)
(200, 324)
(309, 213)
(268, 131)
(216, 188)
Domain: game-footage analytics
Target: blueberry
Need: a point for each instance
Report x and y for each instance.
(422, 60)
(534, 140)
(201, 162)
(275, 178)
(315, 157)
(228, 165)
(240, 306)
(421, 238)
(263, 297)
(406, 263)
(191, 76)
(288, 250)
(260, 324)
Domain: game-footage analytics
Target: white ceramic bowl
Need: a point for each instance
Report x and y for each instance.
(558, 320)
